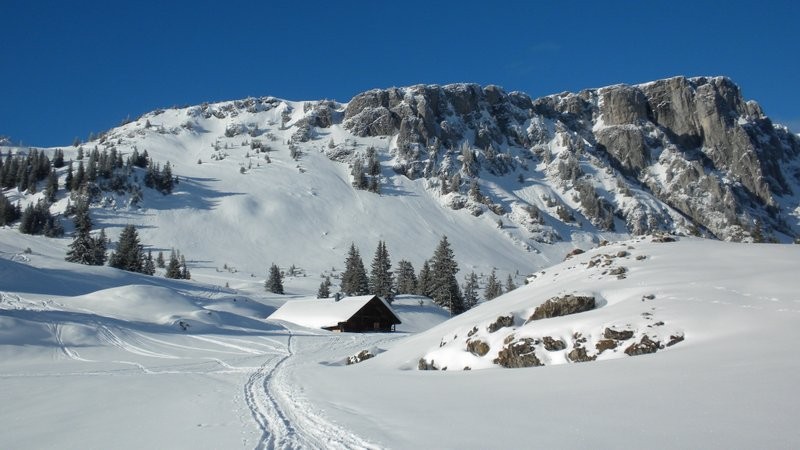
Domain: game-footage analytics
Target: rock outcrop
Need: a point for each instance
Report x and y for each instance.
(715, 162)
(562, 306)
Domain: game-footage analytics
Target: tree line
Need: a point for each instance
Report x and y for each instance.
(436, 279)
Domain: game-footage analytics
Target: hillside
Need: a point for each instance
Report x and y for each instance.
(514, 183)
(102, 358)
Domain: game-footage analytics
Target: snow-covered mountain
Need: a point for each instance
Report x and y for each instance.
(666, 344)
(515, 183)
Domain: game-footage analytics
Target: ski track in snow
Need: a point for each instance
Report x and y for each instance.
(286, 421)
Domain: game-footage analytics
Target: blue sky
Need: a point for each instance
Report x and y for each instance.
(70, 68)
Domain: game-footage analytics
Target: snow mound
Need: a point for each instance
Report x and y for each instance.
(646, 297)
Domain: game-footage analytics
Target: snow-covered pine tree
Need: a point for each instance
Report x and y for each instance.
(160, 263)
(324, 288)
(493, 288)
(129, 251)
(52, 187)
(86, 249)
(424, 281)
(406, 281)
(274, 281)
(381, 279)
(8, 211)
(149, 264)
(446, 291)
(184, 269)
(354, 277)
(510, 286)
(470, 291)
(174, 266)
(99, 247)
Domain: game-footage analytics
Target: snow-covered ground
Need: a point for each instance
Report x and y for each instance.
(98, 358)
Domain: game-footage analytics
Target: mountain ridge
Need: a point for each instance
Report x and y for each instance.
(515, 182)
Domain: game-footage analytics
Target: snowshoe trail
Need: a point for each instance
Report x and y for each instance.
(286, 421)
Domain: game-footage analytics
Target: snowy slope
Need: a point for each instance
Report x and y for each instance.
(109, 363)
(729, 384)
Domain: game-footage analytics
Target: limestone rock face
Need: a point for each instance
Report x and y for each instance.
(688, 155)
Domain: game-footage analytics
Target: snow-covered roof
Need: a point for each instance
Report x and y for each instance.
(323, 312)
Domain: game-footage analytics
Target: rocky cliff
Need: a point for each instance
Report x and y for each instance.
(680, 154)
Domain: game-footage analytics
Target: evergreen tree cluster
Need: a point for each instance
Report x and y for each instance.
(36, 219)
(493, 287)
(354, 278)
(8, 211)
(25, 171)
(436, 278)
(324, 288)
(176, 268)
(367, 175)
(158, 178)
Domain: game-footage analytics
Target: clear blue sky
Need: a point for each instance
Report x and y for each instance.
(68, 68)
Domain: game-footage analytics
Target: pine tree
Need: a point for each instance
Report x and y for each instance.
(184, 269)
(354, 277)
(324, 288)
(424, 280)
(359, 180)
(510, 286)
(99, 247)
(69, 178)
(381, 279)
(52, 187)
(446, 291)
(174, 266)
(493, 288)
(160, 263)
(274, 281)
(149, 264)
(80, 177)
(470, 291)
(129, 251)
(406, 278)
(83, 249)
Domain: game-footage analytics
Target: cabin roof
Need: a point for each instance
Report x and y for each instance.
(324, 312)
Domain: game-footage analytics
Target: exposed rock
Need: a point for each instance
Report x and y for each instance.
(675, 339)
(573, 252)
(501, 322)
(425, 365)
(623, 335)
(662, 238)
(472, 331)
(562, 306)
(363, 355)
(643, 347)
(553, 345)
(618, 271)
(578, 354)
(477, 347)
(605, 344)
(518, 354)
